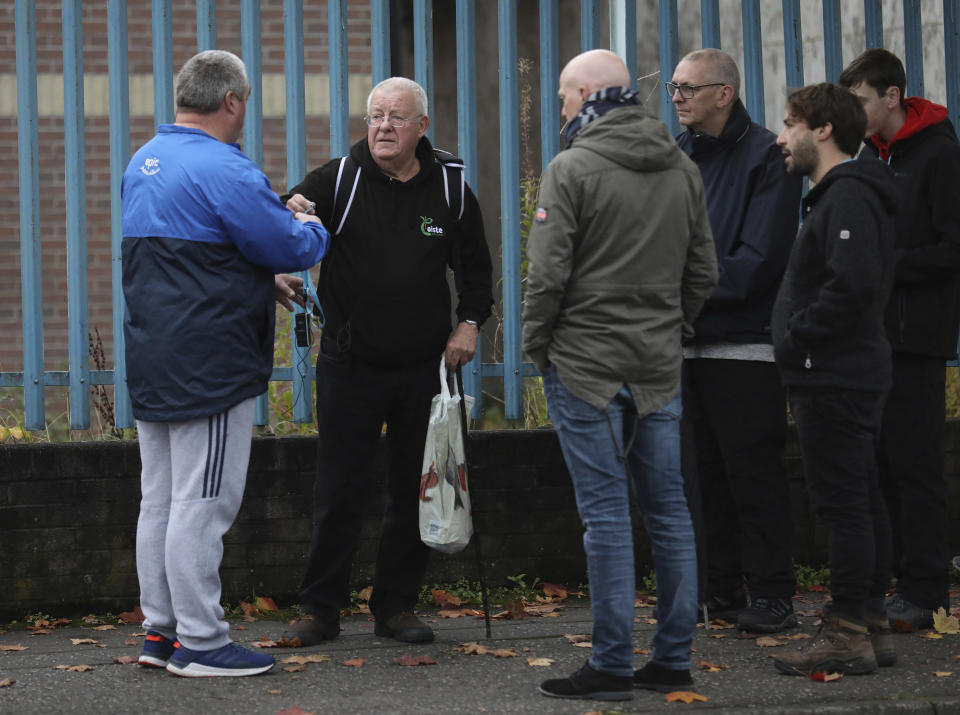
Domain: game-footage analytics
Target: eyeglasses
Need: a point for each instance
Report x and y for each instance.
(688, 90)
(396, 122)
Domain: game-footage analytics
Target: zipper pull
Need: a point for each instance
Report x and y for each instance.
(808, 363)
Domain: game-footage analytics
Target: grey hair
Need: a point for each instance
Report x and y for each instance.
(722, 65)
(402, 84)
(206, 78)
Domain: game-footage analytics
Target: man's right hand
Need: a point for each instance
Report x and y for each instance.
(298, 204)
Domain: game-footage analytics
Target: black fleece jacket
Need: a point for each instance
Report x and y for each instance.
(828, 317)
(383, 285)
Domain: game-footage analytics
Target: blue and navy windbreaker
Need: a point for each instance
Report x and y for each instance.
(203, 235)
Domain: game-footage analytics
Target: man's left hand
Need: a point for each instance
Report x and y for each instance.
(288, 288)
(461, 346)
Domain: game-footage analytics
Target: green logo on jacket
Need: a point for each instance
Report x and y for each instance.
(427, 230)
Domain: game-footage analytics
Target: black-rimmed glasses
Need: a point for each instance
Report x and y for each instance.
(688, 90)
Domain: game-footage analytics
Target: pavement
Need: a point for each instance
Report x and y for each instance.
(743, 681)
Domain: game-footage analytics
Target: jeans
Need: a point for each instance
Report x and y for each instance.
(353, 401)
(604, 450)
(837, 430)
(735, 423)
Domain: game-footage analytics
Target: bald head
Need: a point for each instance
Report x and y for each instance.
(587, 73)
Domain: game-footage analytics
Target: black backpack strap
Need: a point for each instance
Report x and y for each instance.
(348, 176)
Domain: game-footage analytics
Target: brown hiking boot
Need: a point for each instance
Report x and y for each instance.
(841, 646)
(881, 636)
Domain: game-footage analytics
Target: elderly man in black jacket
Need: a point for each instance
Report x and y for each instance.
(833, 356)
(735, 420)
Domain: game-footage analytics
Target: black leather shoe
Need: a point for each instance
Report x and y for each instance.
(725, 607)
(589, 684)
(663, 680)
(404, 627)
(313, 629)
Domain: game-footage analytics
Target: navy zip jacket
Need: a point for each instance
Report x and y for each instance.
(923, 317)
(828, 318)
(753, 205)
(203, 235)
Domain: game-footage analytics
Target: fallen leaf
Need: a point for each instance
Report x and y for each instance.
(710, 667)
(649, 621)
(312, 658)
(6, 683)
(354, 662)
(289, 643)
(444, 599)
(249, 610)
(294, 668)
(583, 645)
(415, 660)
(717, 635)
(125, 659)
(825, 677)
(642, 651)
(931, 636)
(294, 711)
(239, 628)
(274, 692)
(13, 647)
(685, 696)
(517, 609)
(41, 631)
(92, 620)
(73, 668)
(768, 642)
(540, 662)
(134, 616)
(364, 595)
(945, 623)
(504, 653)
(720, 625)
(578, 637)
(449, 613)
(472, 648)
(130, 641)
(83, 641)
(554, 589)
(797, 636)
(106, 627)
(264, 643)
(942, 673)
(265, 604)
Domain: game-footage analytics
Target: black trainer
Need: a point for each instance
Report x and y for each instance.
(589, 684)
(767, 615)
(905, 616)
(663, 680)
(314, 628)
(404, 627)
(725, 607)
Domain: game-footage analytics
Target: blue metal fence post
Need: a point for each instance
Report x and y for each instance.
(510, 204)
(380, 40)
(78, 332)
(669, 54)
(206, 25)
(119, 157)
(623, 34)
(163, 111)
(753, 60)
(913, 47)
(28, 143)
(832, 39)
(873, 22)
(951, 53)
(423, 51)
(301, 384)
(793, 44)
(467, 148)
(339, 72)
(549, 82)
(589, 25)
(710, 23)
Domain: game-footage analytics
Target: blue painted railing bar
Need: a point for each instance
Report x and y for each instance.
(913, 47)
(710, 23)
(467, 149)
(206, 25)
(75, 165)
(753, 59)
(669, 55)
(302, 386)
(623, 34)
(550, 120)
(873, 22)
(423, 51)
(162, 26)
(510, 204)
(951, 53)
(31, 262)
(793, 44)
(339, 71)
(250, 49)
(832, 40)
(589, 25)
(379, 40)
(119, 98)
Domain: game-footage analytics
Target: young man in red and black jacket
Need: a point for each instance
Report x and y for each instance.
(915, 137)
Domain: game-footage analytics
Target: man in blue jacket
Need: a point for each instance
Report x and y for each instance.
(203, 236)
(733, 405)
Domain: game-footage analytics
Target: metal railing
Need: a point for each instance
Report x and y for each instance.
(622, 37)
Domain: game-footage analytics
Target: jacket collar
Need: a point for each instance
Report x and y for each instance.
(738, 123)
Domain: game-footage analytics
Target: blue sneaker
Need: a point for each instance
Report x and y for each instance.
(230, 660)
(156, 650)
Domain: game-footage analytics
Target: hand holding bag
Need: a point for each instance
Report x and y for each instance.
(446, 522)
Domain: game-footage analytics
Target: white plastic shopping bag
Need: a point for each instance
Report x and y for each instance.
(446, 522)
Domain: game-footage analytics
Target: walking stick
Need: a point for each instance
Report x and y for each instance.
(476, 536)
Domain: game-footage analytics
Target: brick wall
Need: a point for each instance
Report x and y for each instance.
(68, 516)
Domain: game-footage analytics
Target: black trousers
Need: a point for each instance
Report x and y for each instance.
(837, 430)
(735, 427)
(910, 461)
(353, 402)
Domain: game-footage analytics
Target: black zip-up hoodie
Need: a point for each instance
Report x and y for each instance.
(383, 284)
(828, 317)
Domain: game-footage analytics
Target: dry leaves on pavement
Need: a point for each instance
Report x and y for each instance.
(354, 662)
(313, 658)
(685, 696)
(415, 660)
(134, 616)
(126, 659)
(825, 677)
(709, 667)
(943, 673)
(6, 683)
(83, 641)
(474, 648)
(73, 668)
(13, 647)
(943, 622)
(540, 662)
(293, 711)
(768, 642)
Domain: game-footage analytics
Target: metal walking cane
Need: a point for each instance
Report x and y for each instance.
(476, 536)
